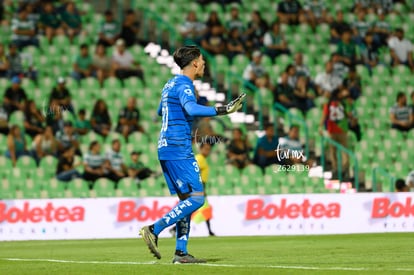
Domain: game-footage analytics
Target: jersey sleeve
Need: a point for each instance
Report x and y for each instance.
(188, 101)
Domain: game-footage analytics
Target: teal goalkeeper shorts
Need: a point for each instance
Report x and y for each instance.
(182, 176)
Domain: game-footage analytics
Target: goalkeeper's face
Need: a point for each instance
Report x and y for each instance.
(199, 65)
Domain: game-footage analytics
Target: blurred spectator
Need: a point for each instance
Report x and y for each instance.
(303, 97)
(100, 119)
(301, 68)
(401, 50)
(238, 149)
(14, 97)
(353, 123)
(291, 147)
(24, 30)
(361, 5)
(401, 186)
(68, 138)
(360, 27)
(256, 28)
(353, 83)
(192, 30)
(412, 101)
(4, 64)
(315, 13)
(369, 52)
(54, 118)
(33, 119)
(214, 41)
(338, 27)
(290, 12)
(235, 22)
(409, 181)
(255, 72)
(347, 50)
(235, 44)
(128, 120)
(213, 20)
(137, 169)
(292, 76)
(335, 120)
(382, 30)
(340, 69)
(71, 20)
(95, 164)
(283, 92)
(15, 64)
(60, 99)
(4, 120)
(83, 64)
(110, 30)
(274, 42)
(402, 116)
(50, 22)
(82, 125)
(66, 168)
(103, 64)
(265, 152)
(117, 165)
(16, 144)
(124, 64)
(130, 28)
(45, 144)
(327, 81)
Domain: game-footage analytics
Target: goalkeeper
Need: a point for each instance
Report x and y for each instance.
(178, 107)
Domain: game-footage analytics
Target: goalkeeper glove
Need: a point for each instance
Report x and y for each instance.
(232, 107)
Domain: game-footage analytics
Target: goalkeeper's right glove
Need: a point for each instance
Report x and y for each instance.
(232, 107)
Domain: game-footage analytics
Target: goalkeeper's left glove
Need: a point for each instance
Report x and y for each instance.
(232, 107)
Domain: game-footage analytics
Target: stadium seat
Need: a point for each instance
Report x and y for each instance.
(77, 188)
(128, 187)
(104, 188)
(55, 188)
(49, 165)
(6, 165)
(7, 189)
(31, 189)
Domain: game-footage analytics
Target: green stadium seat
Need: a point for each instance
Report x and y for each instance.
(49, 165)
(31, 189)
(55, 188)
(77, 188)
(104, 188)
(5, 164)
(7, 189)
(128, 187)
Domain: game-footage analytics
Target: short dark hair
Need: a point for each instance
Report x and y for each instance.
(115, 141)
(399, 30)
(400, 184)
(82, 112)
(184, 55)
(83, 46)
(92, 144)
(268, 125)
(400, 95)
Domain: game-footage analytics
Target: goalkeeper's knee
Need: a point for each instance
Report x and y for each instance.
(196, 201)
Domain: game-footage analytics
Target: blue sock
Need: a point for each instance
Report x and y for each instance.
(181, 210)
(183, 231)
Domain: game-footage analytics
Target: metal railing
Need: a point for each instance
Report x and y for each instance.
(291, 118)
(381, 171)
(339, 150)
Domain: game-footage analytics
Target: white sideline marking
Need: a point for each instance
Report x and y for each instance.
(207, 264)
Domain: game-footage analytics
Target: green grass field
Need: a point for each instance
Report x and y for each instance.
(337, 254)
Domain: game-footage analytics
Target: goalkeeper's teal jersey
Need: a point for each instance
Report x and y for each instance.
(178, 107)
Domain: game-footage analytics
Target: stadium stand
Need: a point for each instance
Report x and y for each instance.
(158, 26)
